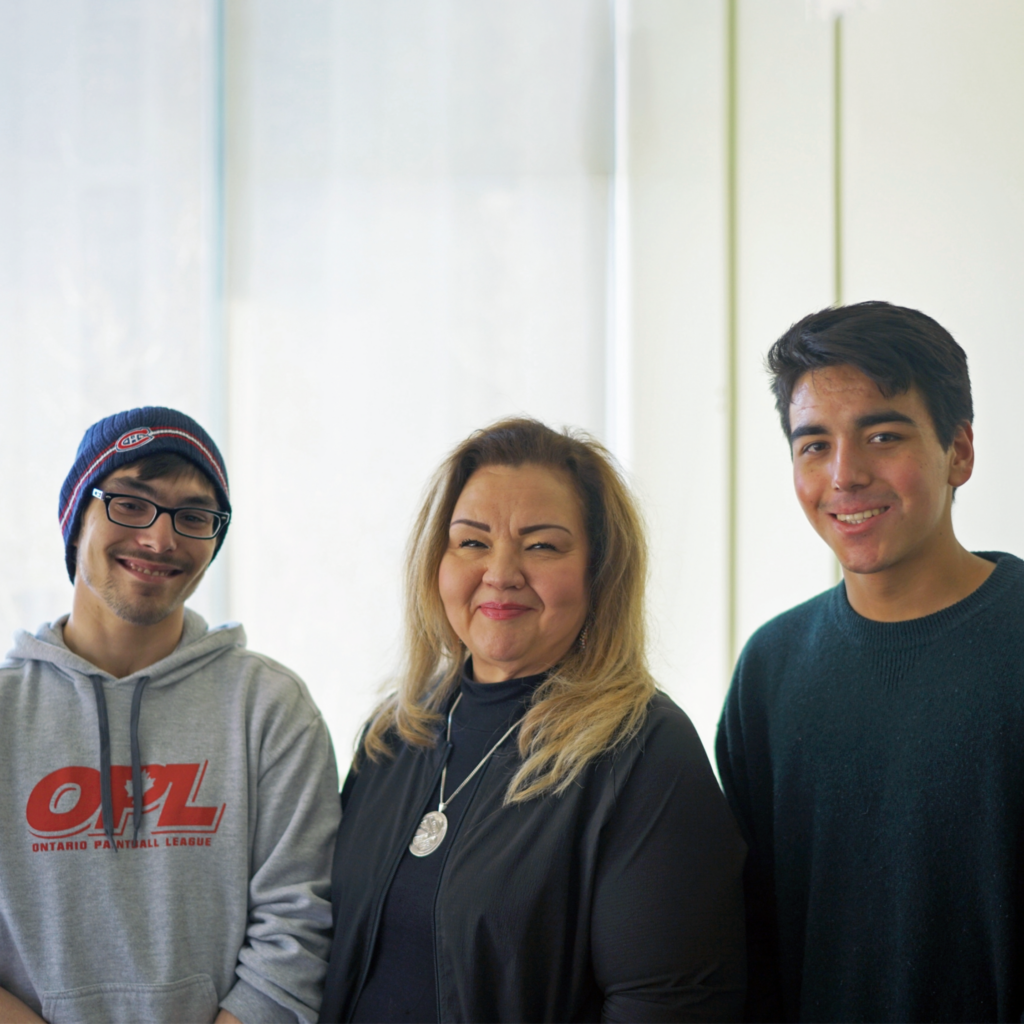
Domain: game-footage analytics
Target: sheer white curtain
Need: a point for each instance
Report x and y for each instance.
(419, 204)
(419, 246)
(105, 175)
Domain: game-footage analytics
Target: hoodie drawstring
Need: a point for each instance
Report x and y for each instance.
(106, 797)
(106, 794)
(136, 758)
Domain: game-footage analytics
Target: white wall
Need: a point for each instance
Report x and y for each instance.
(418, 240)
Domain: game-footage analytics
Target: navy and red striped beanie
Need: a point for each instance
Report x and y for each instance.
(124, 438)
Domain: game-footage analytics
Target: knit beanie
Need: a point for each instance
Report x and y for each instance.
(124, 438)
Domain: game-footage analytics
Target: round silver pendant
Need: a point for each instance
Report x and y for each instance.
(429, 835)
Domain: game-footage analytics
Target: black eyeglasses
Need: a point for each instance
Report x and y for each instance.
(139, 513)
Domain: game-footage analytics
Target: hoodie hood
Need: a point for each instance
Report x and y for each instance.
(199, 645)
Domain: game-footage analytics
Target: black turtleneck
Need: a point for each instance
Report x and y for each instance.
(401, 985)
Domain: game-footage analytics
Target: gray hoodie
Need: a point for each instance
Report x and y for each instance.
(223, 897)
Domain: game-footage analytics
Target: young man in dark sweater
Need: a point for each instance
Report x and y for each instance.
(872, 742)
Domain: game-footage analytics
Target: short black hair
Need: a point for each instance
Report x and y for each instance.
(896, 347)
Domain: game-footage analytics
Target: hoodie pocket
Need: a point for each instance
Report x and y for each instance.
(188, 1001)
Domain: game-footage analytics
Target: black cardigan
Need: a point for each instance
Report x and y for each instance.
(620, 899)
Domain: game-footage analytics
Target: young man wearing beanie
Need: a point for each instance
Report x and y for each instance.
(872, 742)
(171, 797)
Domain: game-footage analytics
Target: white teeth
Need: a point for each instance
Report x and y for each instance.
(147, 572)
(859, 517)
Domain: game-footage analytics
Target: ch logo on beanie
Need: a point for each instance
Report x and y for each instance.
(134, 439)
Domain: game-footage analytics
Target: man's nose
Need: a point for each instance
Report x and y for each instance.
(159, 535)
(850, 467)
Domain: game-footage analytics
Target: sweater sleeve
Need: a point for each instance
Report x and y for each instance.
(667, 923)
(743, 766)
(282, 964)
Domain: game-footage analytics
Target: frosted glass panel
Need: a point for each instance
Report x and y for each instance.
(418, 199)
(785, 271)
(422, 190)
(677, 189)
(937, 210)
(105, 167)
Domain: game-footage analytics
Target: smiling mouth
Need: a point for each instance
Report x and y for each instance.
(494, 610)
(859, 517)
(149, 569)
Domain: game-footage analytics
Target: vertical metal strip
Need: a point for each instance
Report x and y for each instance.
(732, 333)
(837, 159)
(218, 400)
(837, 183)
(619, 355)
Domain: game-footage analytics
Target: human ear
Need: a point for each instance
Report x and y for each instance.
(961, 453)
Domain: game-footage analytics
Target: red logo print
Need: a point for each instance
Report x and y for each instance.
(67, 801)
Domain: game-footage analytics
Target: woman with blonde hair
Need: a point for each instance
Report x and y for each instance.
(530, 830)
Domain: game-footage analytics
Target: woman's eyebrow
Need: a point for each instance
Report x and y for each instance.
(522, 533)
(470, 522)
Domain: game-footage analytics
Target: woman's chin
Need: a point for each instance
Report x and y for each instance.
(500, 646)
(493, 664)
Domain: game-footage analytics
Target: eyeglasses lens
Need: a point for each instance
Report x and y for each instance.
(135, 512)
(196, 522)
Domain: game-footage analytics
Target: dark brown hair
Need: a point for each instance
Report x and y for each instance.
(168, 464)
(897, 347)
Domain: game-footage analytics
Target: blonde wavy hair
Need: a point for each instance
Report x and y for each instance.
(596, 697)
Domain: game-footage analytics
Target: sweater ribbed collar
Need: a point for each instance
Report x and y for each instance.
(1008, 573)
(487, 706)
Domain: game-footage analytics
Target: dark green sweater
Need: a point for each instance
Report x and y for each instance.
(877, 771)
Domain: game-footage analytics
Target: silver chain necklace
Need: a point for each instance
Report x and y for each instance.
(434, 826)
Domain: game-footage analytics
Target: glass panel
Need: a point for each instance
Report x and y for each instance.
(107, 302)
